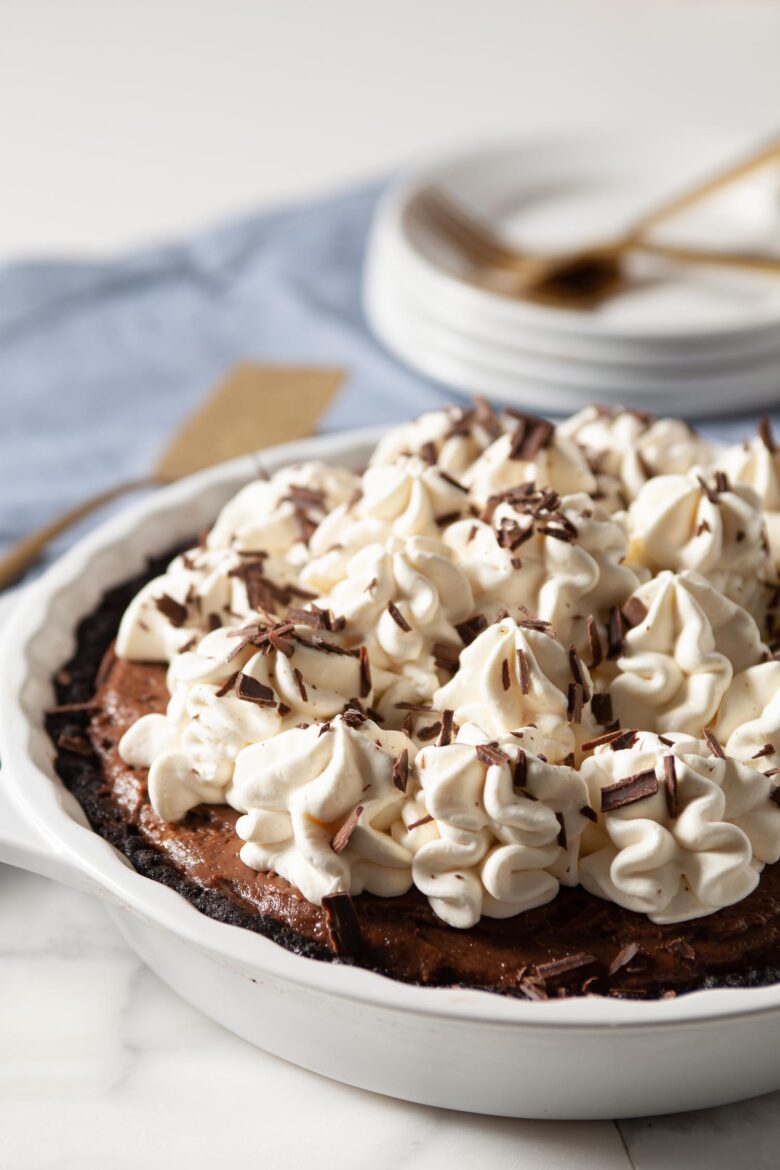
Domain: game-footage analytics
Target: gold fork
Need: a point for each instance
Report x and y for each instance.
(583, 278)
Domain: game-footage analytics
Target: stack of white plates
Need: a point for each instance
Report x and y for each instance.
(692, 339)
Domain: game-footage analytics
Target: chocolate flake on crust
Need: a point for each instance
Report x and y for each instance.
(629, 790)
(74, 743)
(623, 958)
(343, 923)
(558, 967)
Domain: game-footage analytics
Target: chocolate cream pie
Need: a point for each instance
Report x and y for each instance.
(503, 711)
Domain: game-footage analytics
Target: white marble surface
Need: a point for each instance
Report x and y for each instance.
(102, 1066)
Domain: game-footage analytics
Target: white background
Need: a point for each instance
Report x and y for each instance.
(128, 120)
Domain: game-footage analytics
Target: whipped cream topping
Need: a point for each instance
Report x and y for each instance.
(411, 676)
(682, 832)
(632, 446)
(704, 523)
(501, 826)
(319, 807)
(514, 676)
(679, 659)
(561, 559)
(757, 465)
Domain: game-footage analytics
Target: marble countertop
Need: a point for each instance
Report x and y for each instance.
(102, 1065)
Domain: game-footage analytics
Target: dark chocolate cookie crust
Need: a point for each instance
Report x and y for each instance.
(402, 937)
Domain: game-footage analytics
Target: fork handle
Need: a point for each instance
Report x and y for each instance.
(26, 551)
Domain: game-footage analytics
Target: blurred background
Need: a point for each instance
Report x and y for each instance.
(122, 123)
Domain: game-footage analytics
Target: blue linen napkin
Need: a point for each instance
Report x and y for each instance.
(99, 361)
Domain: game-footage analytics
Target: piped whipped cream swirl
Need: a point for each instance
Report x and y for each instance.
(682, 832)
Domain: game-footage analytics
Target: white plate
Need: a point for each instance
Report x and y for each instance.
(454, 359)
(565, 190)
(450, 1047)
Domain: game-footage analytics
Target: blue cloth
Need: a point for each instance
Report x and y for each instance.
(99, 361)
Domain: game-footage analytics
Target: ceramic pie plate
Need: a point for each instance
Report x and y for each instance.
(449, 1047)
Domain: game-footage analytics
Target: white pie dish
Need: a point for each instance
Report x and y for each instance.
(468, 1050)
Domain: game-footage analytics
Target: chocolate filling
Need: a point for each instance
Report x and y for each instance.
(575, 945)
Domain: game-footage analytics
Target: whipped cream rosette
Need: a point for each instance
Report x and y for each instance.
(675, 665)
(560, 558)
(453, 438)
(748, 720)
(533, 452)
(199, 590)
(682, 832)
(408, 498)
(757, 464)
(274, 515)
(632, 446)
(704, 523)
(236, 688)
(403, 599)
(515, 675)
(494, 828)
(319, 805)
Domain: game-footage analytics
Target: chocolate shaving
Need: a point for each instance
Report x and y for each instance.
(629, 790)
(426, 820)
(561, 838)
(589, 813)
(558, 533)
(491, 753)
(365, 673)
(343, 923)
(428, 453)
(601, 706)
(429, 732)
(533, 988)
(525, 671)
(471, 629)
(670, 786)
(576, 698)
(712, 743)
(227, 685)
(173, 610)
(624, 740)
(445, 735)
(607, 737)
(252, 691)
(505, 679)
(74, 743)
(452, 481)
(634, 612)
(300, 684)
(398, 617)
(447, 519)
(615, 634)
(594, 641)
(529, 437)
(520, 771)
(623, 958)
(352, 715)
(446, 657)
(401, 770)
(558, 967)
(703, 527)
(766, 750)
(341, 838)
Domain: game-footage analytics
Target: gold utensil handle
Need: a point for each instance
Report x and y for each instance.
(26, 551)
(757, 158)
(744, 260)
